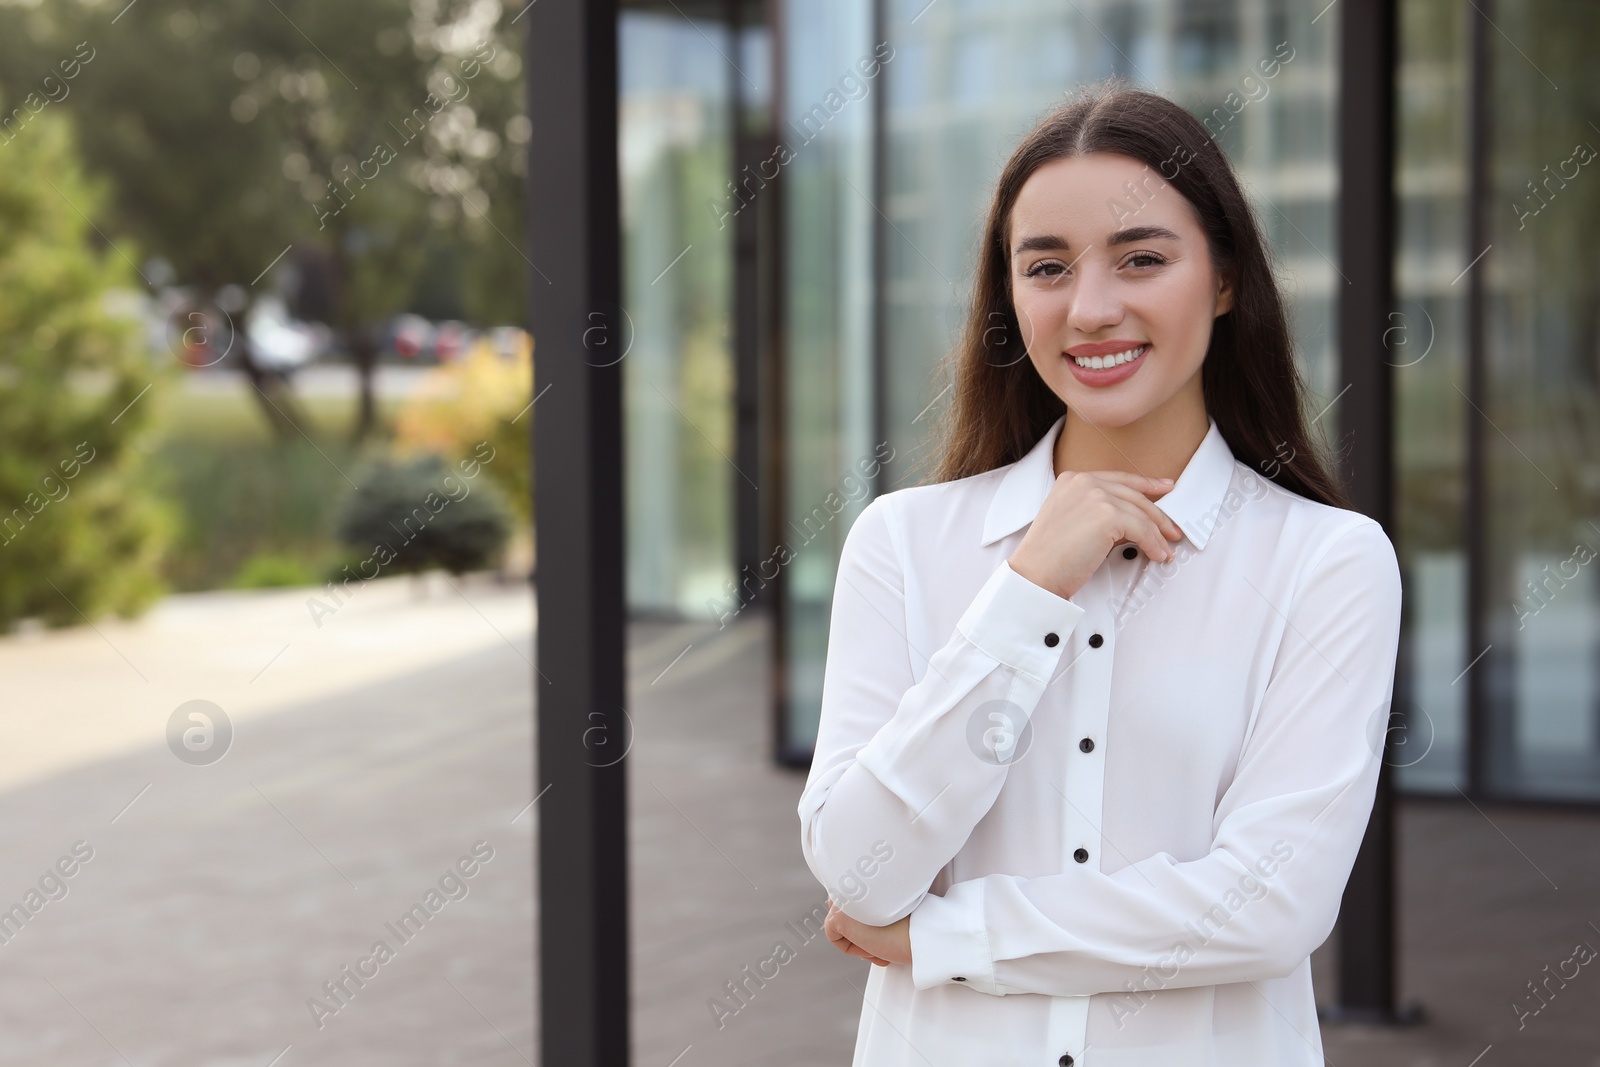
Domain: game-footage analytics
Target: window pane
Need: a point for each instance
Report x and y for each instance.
(1541, 412)
(678, 371)
(827, 292)
(1426, 342)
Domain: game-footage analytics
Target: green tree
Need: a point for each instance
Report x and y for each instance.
(76, 394)
(356, 134)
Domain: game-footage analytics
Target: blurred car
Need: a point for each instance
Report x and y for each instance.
(278, 343)
(450, 340)
(509, 342)
(411, 337)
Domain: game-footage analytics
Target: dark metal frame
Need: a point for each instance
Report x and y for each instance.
(777, 467)
(1367, 214)
(880, 252)
(749, 149)
(574, 238)
(1480, 712)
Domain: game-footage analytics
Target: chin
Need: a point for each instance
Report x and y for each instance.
(1105, 412)
(1109, 420)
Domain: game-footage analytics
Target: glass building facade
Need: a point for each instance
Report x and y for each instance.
(675, 153)
(885, 125)
(1538, 509)
(1427, 344)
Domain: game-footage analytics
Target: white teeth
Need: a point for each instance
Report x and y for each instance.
(1101, 362)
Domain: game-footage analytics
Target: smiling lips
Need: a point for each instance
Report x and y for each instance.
(1106, 362)
(1084, 354)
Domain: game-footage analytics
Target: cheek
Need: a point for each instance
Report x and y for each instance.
(1039, 317)
(1180, 315)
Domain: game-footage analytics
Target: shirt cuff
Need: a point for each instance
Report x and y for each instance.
(1013, 620)
(949, 941)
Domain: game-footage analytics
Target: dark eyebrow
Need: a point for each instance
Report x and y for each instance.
(1121, 237)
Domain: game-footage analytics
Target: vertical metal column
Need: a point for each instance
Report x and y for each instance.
(748, 159)
(580, 334)
(880, 248)
(776, 470)
(1480, 721)
(1368, 55)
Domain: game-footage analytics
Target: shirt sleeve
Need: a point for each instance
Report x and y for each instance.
(905, 768)
(1285, 837)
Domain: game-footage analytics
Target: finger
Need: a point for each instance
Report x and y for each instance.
(839, 934)
(869, 957)
(1146, 507)
(1132, 494)
(843, 925)
(857, 950)
(1150, 533)
(1142, 483)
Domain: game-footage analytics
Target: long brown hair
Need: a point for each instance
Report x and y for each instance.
(1252, 385)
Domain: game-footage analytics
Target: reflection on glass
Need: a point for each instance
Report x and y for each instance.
(1541, 421)
(1425, 341)
(678, 369)
(827, 281)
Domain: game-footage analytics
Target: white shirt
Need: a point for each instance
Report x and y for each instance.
(1121, 822)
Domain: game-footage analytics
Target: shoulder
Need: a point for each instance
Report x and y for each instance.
(933, 513)
(1331, 543)
(934, 497)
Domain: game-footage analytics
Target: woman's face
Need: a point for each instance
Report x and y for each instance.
(1109, 261)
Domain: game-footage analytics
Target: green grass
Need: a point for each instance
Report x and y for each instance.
(255, 511)
(270, 570)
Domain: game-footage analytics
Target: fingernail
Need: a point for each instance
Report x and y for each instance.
(1168, 481)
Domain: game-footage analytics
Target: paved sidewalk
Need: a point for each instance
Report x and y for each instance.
(376, 751)
(367, 759)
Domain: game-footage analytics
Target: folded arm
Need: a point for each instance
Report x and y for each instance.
(1286, 831)
(904, 769)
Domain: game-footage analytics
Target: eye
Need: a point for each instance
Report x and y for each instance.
(1040, 268)
(1145, 260)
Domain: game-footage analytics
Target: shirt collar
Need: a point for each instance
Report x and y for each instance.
(1193, 502)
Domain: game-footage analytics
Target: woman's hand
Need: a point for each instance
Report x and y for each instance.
(881, 945)
(1086, 515)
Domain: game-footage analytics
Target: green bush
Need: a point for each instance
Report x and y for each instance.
(271, 570)
(413, 515)
(76, 539)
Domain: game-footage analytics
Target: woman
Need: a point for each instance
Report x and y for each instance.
(1104, 705)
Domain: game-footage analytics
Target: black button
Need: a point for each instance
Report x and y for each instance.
(1129, 552)
(1065, 1060)
(958, 978)
(1086, 745)
(1051, 640)
(1082, 855)
(1095, 640)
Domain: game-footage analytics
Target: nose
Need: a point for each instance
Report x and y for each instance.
(1093, 302)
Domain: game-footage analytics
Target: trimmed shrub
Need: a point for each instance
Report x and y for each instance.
(417, 514)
